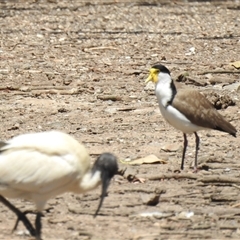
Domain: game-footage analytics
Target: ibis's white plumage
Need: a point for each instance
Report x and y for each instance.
(38, 166)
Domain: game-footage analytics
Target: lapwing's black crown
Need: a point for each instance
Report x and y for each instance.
(162, 68)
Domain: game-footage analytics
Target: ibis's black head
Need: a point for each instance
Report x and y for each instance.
(107, 165)
(161, 68)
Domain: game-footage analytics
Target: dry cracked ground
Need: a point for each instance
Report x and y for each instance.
(80, 66)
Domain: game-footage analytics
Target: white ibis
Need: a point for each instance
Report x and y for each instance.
(39, 166)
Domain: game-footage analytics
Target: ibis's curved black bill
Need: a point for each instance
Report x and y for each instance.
(107, 165)
(104, 193)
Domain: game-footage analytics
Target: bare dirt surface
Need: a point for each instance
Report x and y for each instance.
(80, 66)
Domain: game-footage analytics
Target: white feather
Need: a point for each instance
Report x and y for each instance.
(41, 165)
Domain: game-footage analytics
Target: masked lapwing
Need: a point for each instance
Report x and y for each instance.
(186, 110)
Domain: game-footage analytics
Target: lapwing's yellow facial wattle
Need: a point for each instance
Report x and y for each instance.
(153, 75)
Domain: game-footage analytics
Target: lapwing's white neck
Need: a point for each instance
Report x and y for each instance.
(165, 89)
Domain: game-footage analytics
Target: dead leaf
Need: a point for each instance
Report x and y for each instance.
(150, 159)
(236, 64)
(134, 179)
(171, 147)
(130, 174)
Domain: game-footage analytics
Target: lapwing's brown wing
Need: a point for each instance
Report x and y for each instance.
(200, 111)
